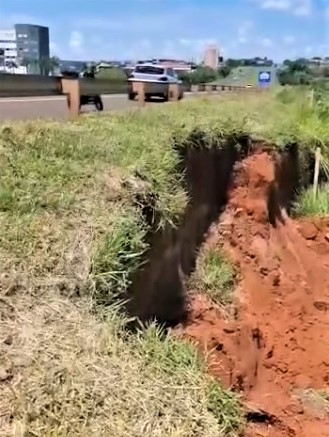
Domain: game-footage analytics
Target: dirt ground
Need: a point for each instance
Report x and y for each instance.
(275, 348)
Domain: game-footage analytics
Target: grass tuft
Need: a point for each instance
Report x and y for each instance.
(117, 257)
(308, 205)
(214, 276)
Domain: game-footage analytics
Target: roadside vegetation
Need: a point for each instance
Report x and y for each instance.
(73, 198)
(309, 205)
(214, 276)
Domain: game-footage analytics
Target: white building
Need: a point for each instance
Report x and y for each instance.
(211, 57)
(24, 45)
(8, 49)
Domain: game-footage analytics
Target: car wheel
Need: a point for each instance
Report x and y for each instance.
(99, 103)
(131, 96)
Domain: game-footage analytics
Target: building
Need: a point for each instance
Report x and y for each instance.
(180, 66)
(211, 57)
(32, 44)
(25, 45)
(8, 49)
(77, 66)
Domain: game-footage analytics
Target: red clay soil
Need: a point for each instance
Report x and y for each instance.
(277, 345)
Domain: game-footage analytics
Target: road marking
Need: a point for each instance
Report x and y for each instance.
(5, 100)
(30, 99)
(49, 99)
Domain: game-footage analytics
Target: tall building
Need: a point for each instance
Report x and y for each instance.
(32, 42)
(26, 44)
(211, 57)
(8, 48)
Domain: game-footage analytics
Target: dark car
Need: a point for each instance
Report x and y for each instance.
(85, 99)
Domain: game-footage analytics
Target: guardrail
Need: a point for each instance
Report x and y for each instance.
(26, 85)
(17, 85)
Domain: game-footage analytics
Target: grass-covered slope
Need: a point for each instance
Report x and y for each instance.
(72, 199)
(71, 194)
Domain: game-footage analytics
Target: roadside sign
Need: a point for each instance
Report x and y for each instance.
(264, 78)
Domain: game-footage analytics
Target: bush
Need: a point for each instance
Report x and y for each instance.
(112, 73)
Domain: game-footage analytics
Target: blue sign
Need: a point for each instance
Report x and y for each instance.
(264, 78)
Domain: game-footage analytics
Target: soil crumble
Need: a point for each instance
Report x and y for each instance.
(276, 344)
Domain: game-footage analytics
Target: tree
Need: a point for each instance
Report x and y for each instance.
(54, 63)
(288, 77)
(34, 66)
(297, 72)
(111, 73)
(26, 62)
(203, 75)
(224, 71)
(233, 63)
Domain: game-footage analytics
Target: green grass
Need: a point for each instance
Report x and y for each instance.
(214, 276)
(309, 205)
(72, 197)
(242, 76)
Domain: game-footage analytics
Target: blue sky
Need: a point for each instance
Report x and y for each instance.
(122, 29)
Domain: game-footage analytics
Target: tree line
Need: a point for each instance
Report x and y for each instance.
(41, 66)
(302, 72)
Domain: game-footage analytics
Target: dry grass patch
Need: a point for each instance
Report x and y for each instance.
(315, 401)
(72, 374)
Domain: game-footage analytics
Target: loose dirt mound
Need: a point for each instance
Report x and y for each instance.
(277, 346)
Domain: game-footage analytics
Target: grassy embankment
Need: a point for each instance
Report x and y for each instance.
(71, 232)
(307, 204)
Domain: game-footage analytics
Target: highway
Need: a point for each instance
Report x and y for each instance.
(31, 108)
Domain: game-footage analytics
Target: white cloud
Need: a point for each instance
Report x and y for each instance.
(76, 41)
(244, 31)
(308, 50)
(289, 40)
(266, 42)
(296, 7)
(185, 42)
(145, 43)
(54, 49)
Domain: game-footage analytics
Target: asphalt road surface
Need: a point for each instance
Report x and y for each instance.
(31, 108)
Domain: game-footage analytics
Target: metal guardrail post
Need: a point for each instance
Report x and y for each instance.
(71, 88)
(139, 89)
(174, 92)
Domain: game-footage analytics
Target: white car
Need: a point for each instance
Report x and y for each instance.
(158, 79)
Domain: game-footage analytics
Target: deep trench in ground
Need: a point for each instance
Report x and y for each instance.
(276, 344)
(158, 289)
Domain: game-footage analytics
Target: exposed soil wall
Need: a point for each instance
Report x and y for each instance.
(276, 349)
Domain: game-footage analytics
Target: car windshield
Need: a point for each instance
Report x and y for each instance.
(149, 69)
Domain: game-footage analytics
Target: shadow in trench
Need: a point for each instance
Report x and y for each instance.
(283, 190)
(157, 290)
